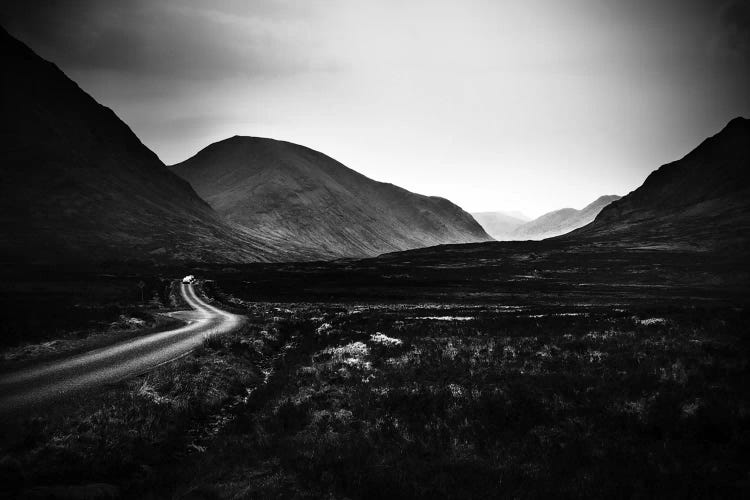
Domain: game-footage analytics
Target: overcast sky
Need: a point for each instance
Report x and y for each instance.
(523, 105)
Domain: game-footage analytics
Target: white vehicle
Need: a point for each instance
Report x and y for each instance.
(188, 279)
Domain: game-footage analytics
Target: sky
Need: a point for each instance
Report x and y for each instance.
(530, 105)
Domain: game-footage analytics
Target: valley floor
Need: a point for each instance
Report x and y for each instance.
(458, 378)
(425, 401)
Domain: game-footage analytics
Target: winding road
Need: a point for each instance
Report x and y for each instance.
(116, 362)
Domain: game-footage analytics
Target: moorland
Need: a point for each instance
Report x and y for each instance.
(500, 369)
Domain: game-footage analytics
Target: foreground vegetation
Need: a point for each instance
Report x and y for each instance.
(481, 402)
(419, 401)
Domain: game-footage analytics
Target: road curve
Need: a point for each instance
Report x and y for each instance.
(44, 383)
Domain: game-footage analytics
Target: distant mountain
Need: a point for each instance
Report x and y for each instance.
(561, 221)
(302, 196)
(500, 225)
(702, 200)
(78, 184)
(518, 215)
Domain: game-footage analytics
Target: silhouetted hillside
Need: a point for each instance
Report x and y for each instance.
(78, 184)
(304, 197)
(701, 200)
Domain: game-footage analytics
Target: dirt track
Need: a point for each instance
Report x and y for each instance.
(107, 365)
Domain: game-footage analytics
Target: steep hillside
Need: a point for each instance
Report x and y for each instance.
(78, 184)
(561, 221)
(305, 197)
(701, 200)
(499, 225)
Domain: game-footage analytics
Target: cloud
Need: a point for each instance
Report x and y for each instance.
(174, 39)
(735, 24)
(411, 92)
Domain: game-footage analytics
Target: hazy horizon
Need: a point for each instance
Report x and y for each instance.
(497, 106)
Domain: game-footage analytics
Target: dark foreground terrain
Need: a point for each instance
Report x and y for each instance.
(482, 371)
(52, 312)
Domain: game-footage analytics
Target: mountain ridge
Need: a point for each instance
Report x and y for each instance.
(296, 192)
(561, 221)
(499, 225)
(701, 199)
(79, 184)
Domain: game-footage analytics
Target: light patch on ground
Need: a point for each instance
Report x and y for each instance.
(635, 408)
(352, 355)
(596, 356)
(324, 329)
(652, 321)
(557, 315)
(443, 318)
(405, 359)
(456, 390)
(689, 409)
(127, 322)
(382, 339)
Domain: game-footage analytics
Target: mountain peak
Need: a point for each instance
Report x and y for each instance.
(731, 138)
(701, 198)
(300, 194)
(563, 220)
(605, 197)
(601, 202)
(78, 183)
(737, 122)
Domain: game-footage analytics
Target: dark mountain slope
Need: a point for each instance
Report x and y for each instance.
(561, 221)
(702, 200)
(682, 238)
(308, 198)
(78, 184)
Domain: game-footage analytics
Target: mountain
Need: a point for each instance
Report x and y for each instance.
(701, 200)
(78, 184)
(561, 221)
(300, 195)
(500, 225)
